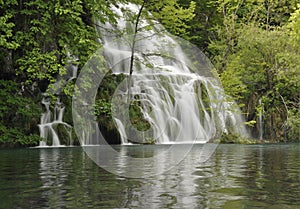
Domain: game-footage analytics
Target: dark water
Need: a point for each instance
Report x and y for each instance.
(236, 176)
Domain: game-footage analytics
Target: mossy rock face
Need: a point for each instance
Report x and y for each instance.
(229, 138)
(234, 138)
(75, 140)
(136, 116)
(64, 134)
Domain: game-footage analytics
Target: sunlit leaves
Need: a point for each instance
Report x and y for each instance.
(232, 80)
(38, 65)
(48, 32)
(173, 16)
(7, 25)
(257, 53)
(294, 25)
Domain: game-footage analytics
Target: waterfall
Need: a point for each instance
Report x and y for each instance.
(47, 126)
(52, 118)
(50, 121)
(172, 81)
(260, 118)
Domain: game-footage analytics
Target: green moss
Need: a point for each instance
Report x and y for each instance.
(136, 116)
(234, 138)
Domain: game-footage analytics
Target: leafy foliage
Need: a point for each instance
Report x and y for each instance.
(254, 45)
(261, 67)
(173, 16)
(294, 25)
(293, 125)
(19, 116)
(37, 41)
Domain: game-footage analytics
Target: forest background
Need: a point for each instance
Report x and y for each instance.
(253, 44)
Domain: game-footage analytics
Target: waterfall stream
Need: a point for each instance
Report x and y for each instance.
(172, 81)
(53, 117)
(260, 119)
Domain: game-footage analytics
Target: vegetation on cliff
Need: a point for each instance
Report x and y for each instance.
(254, 45)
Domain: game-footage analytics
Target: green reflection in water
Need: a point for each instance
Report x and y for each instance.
(236, 176)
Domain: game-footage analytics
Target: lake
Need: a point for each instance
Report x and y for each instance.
(235, 176)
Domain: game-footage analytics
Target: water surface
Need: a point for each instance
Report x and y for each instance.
(236, 176)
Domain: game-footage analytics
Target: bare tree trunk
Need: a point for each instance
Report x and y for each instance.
(138, 18)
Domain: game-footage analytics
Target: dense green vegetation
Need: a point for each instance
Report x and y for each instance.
(254, 45)
(255, 53)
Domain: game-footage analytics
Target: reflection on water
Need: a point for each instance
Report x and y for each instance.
(145, 161)
(236, 176)
(53, 175)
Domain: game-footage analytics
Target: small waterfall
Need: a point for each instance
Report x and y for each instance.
(122, 131)
(51, 119)
(173, 83)
(260, 118)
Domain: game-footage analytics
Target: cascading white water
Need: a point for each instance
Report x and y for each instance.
(47, 126)
(51, 119)
(172, 81)
(260, 118)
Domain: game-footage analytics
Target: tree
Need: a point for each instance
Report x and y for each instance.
(264, 62)
(294, 25)
(168, 12)
(7, 42)
(259, 65)
(36, 38)
(293, 121)
(19, 116)
(174, 17)
(140, 25)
